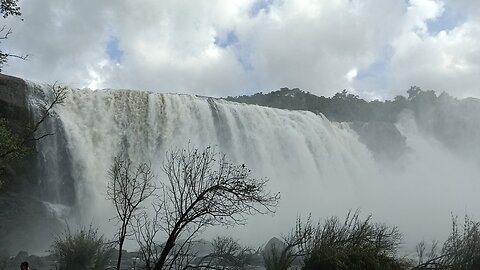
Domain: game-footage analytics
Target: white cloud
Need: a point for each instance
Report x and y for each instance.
(183, 46)
(445, 61)
(419, 12)
(351, 75)
(312, 44)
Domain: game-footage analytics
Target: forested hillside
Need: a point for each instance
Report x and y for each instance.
(343, 106)
(454, 122)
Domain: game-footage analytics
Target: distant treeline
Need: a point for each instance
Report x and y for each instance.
(344, 106)
(454, 122)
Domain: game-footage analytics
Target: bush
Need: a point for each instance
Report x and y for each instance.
(354, 244)
(80, 251)
(462, 248)
(461, 251)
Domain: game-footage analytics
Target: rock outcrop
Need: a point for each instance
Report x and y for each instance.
(13, 98)
(26, 223)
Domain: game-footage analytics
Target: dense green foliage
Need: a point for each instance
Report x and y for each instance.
(342, 106)
(12, 148)
(9, 7)
(84, 249)
(453, 122)
(11, 143)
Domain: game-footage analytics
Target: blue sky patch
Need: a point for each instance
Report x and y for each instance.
(378, 72)
(447, 21)
(245, 62)
(113, 49)
(375, 69)
(230, 39)
(259, 6)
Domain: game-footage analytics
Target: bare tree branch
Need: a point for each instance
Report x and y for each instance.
(204, 189)
(128, 188)
(227, 254)
(59, 94)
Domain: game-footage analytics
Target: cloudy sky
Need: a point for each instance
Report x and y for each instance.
(226, 47)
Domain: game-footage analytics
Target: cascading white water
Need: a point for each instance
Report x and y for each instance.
(319, 167)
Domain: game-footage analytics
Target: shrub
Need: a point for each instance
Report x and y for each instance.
(354, 244)
(80, 251)
(461, 251)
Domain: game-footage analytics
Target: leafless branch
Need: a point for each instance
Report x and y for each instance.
(6, 34)
(204, 189)
(128, 188)
(59, 94)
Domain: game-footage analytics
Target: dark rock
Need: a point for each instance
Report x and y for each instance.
(382, 138)
(27, 203)
(21, 256)
(13, 99)
(274, 246)
(30, 224)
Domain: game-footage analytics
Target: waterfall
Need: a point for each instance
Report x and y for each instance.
(318, 166)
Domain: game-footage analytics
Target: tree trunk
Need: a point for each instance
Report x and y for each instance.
(120, 246)
(166, 250)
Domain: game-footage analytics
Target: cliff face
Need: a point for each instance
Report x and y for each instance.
(16, 121)
(25, 221)
(13, 98)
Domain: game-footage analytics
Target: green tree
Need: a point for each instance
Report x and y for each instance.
(17, 143)
(8, 8)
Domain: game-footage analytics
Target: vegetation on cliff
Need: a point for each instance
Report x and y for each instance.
(452, 121)
(344, 106)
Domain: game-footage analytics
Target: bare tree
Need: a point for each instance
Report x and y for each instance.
(146, 230)
(300, 242)
(204, 189)
(425, 259)
(227, 254)
(128, 187)
(461, 250)
(4, 56)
